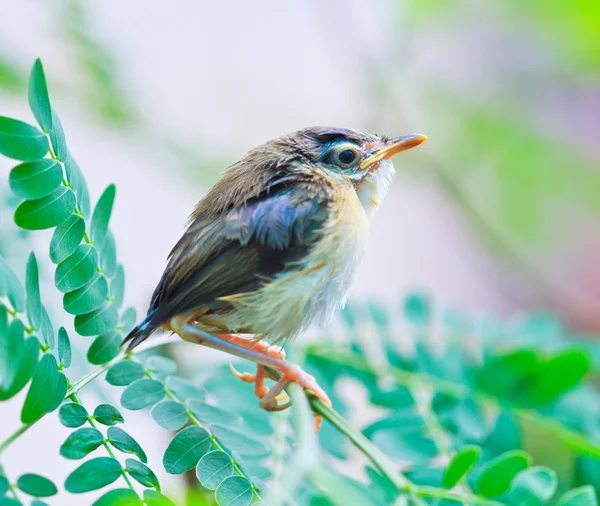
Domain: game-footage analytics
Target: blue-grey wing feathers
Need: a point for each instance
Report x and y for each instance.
(235, 252)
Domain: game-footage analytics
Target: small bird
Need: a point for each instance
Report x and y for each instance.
(272, 249)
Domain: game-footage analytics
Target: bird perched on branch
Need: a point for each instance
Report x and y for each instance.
(273, 247)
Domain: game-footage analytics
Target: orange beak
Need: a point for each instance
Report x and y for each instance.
(391, 148)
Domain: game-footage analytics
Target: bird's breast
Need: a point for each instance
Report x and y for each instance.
(318, 286)
(309, 291)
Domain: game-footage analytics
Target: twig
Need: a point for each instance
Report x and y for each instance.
(78, 385)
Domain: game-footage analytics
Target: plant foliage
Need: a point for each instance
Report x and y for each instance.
(467, 412)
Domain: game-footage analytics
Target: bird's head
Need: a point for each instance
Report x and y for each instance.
(364, 160)
(360, 159)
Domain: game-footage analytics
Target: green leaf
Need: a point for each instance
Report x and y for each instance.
(34, 180)
(106, 414)
(533, 486)
(21, 141)
(142, 474)
(93, 474)
(72, 415)
(47, 212)
(66, 238)
(4, 485)
(403, 437)
(46, 329)
(77, 270)
(88, 298)
(154, 498)
(38, 97)
(10, 287)
(497, 474)
(123, 373)
(32, 286)
(460, 465)
(242, 443)
(64, 348)
(75, 177)
(12, 346)
(559, 374)
(234, 491)
(57, 138)
(184, 390)
(529, 379)
(125, 443)
(213, 468)
(581, 496)
(97, 322)
(37, 502)
(108, 256)
(128, 319)
(42, 392)
(142, 393)
(417, 308)
(81, 442)
(36, 485)
(169, 415)
(186, 449)
(57, 396)
(117, 286)
(101, 216)
(119, 497)
(9, 501)
(25, 370)
(213, 414)
(104, 348)
(160, 365)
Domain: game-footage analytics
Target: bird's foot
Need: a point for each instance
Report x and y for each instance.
(265, 356)
(271, 399)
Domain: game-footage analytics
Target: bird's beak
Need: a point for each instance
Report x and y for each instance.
(391, 147)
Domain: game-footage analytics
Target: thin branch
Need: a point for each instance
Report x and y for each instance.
(374, 454)
(108, 449)
(15, 435)
(457, 390)
(76, 387)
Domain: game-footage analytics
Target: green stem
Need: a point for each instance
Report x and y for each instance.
(457, 390)
(108, 449)
(192, 418)
(373, 453)
(78, 385)
(11, 488)
(92, 375)
(14, 436)
(376, 456)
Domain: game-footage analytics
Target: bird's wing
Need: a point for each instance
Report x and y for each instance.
(239, 250)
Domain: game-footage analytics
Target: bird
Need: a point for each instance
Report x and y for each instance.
(271, 250)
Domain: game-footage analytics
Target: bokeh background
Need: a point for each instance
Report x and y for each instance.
(496, 215)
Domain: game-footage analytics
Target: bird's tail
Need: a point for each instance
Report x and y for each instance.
(141, 331)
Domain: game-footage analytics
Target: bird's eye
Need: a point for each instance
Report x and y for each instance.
(347, 157)
(343, 156)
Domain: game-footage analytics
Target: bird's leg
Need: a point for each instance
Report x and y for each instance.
(245, 348)
(271, 350)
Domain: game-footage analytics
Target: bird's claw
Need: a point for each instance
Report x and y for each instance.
(246, 377)
(271, 399)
